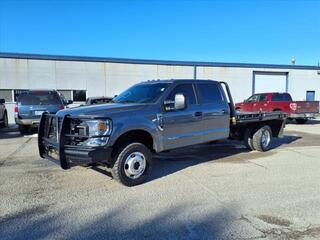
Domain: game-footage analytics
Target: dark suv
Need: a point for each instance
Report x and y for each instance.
(32, 103)
(3, 114)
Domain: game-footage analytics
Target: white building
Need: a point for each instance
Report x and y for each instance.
(81, 77)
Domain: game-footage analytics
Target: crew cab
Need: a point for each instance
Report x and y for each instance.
(301, 111)
(151, 117)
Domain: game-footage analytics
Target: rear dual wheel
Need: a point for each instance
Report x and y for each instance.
(247, 139)
(262, 139)
(259, 139)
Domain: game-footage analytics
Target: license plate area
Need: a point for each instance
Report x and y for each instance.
(38, 112)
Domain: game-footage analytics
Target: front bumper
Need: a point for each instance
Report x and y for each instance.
(60, 151)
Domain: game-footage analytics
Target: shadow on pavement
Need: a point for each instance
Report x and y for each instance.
(124, 222)
(167, 163)
(13, 132)
(285, 140)
(309, 122)
(226, 151)
(9, 132)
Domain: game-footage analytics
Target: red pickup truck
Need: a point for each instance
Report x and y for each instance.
(301, 111)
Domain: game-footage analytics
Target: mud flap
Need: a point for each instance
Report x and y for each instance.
(283, 125)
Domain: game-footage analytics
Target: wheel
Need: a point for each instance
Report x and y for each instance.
(133, 164)
(247, 139)
(24, 129)
(301, 120)
(5, 120)
(262, 139)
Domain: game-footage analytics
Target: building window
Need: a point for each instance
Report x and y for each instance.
(17, 92)
(66, 93)
(6, 95)
(79, 95)
(311, 96)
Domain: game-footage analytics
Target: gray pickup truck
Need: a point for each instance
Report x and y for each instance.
(151, 117)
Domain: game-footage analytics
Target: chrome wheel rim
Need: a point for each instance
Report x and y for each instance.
(135, 165)
(265, 139)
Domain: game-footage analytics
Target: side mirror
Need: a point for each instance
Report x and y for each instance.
(2, 101)
(69, 102)
(179, 101)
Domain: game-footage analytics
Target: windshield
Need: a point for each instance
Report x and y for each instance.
(39, 98)
(142, 93)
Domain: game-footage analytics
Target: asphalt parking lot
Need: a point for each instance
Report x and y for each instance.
(213, 191)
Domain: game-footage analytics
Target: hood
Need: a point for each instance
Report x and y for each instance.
(239, 103)
(102, 110)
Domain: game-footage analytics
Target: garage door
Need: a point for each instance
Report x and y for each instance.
(269, 82)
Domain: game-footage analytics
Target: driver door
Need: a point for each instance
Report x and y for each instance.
(182, 127)
(251, 104)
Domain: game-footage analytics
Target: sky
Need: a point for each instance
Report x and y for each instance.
(215, 31)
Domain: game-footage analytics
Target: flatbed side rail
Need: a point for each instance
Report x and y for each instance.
(260, 116)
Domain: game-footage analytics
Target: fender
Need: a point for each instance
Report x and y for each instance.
(138, 123)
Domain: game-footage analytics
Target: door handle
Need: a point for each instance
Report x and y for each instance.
(198, 114)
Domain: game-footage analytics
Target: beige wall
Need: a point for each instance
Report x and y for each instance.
(239, 79)
(301, 81)
(108, 79)
(120, 76)
(95, 77)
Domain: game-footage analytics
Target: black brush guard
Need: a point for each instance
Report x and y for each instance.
(59, 145)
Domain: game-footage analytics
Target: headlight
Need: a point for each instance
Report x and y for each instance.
(98, 131)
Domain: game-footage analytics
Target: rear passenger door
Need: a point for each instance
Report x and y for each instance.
(262, 105)
(215, 111)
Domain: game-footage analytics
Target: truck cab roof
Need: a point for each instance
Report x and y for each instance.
(179, 80)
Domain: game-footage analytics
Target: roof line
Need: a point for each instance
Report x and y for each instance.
(149, 61)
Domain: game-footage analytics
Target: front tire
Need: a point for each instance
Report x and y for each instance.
(262, 139)
(133, 164)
